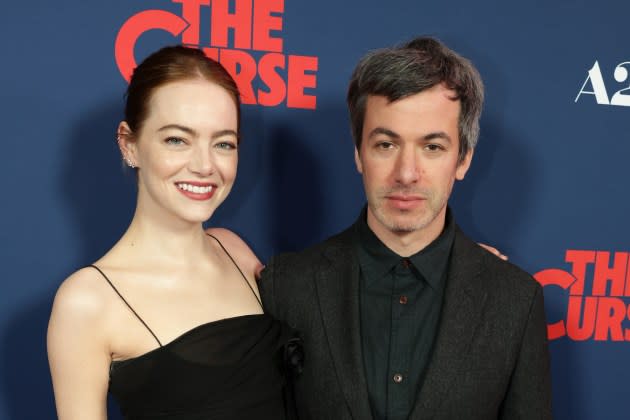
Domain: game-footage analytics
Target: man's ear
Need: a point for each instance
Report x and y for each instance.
(127, 144)
(357, 160)
(464, 165)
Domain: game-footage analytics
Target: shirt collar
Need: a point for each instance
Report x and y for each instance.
(376, 259)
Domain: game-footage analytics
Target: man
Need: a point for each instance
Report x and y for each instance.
(402, 315)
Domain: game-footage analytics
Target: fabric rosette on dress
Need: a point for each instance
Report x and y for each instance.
(290, 357)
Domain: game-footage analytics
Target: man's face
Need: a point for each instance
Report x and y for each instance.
(409, 161)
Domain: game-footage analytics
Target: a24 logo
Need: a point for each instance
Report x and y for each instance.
(595, 81)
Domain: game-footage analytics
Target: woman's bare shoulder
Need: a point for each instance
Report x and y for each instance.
(83, 294)
(78, 350)
(238, 248)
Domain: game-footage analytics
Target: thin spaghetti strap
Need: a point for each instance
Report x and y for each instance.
(126, 303)
(237, 267)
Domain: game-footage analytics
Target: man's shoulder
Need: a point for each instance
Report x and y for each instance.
(496, 274)
(294, 274)
(332, 246)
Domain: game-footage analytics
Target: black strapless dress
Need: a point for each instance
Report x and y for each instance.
(222, 370)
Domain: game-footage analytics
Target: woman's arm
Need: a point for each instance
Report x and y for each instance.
(77, 349)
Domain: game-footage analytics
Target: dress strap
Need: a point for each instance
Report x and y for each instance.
(237, 267)
(126, 303)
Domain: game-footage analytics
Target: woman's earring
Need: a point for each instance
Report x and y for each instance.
(126, 159)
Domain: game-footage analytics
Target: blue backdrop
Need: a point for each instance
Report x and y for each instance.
(548, 184)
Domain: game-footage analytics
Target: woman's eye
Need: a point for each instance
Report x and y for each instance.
(175, 141)
(226, 145)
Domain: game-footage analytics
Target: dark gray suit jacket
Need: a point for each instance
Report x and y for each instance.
(489, 360)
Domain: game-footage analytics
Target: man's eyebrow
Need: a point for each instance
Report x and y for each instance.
(437, 135)
(427, 137)
(385, 131)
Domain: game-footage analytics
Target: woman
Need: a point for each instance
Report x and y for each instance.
(170, 320)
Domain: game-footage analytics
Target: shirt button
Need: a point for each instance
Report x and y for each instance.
(398, 378)
(406, 263)
(403, 300)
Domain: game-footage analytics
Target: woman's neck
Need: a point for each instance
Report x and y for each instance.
(169, 242)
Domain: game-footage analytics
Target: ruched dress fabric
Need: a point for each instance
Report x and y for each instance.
(223, 370)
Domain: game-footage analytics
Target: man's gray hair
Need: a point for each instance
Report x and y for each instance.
(420, 64)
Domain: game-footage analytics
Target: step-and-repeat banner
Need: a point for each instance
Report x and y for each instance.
(548, 183)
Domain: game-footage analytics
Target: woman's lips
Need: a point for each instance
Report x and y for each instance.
(196, 190)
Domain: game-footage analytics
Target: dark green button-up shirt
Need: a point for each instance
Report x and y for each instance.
(400, 304)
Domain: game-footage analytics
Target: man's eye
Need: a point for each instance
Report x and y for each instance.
(434, 147)
(174, 141)
(385, 145)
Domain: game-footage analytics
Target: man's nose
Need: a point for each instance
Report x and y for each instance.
(407, 166)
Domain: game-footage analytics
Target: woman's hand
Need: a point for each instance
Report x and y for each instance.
(493, 250)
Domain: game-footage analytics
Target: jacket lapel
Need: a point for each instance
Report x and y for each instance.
(464, 300)
(338, 293)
